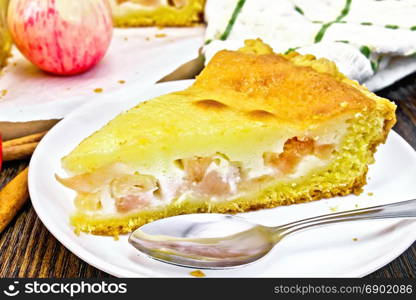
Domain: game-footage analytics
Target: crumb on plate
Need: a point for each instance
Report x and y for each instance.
(98, 90)
(160, 35)
(333, 208)
(121, 81)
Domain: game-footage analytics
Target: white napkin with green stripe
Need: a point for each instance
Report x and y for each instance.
(373, 42)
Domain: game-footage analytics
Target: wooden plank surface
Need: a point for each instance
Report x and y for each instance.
(27, 249)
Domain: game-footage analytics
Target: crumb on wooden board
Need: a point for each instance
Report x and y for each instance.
(197, 273)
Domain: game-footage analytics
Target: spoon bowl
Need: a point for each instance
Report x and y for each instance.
(203, 240)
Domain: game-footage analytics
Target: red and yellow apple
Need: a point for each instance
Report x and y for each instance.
(62, 37)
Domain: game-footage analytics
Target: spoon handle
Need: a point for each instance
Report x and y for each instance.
(403, 209)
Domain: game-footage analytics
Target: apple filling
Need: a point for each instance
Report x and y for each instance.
(294, 150)
(117, 190)
(133, 191)
(210, 176)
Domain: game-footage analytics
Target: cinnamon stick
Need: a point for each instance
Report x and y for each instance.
(12, 198)
(25, 140)
(21, 148)
(19, 151)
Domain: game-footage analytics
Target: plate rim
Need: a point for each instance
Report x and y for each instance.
(113, 269)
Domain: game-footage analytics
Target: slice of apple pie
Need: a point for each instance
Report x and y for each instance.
(128, 13)
(255, 130)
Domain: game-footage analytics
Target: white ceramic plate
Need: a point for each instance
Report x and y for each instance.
(330, 251)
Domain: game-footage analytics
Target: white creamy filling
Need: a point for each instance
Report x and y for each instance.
(108, 203)
(149, 196)
(307, 164)
(169, 185)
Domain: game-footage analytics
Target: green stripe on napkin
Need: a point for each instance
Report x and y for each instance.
(342, 15)
(365, 51)
(299, 10)
(231, 22)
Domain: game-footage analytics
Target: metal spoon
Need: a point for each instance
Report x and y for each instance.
(217, 241)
